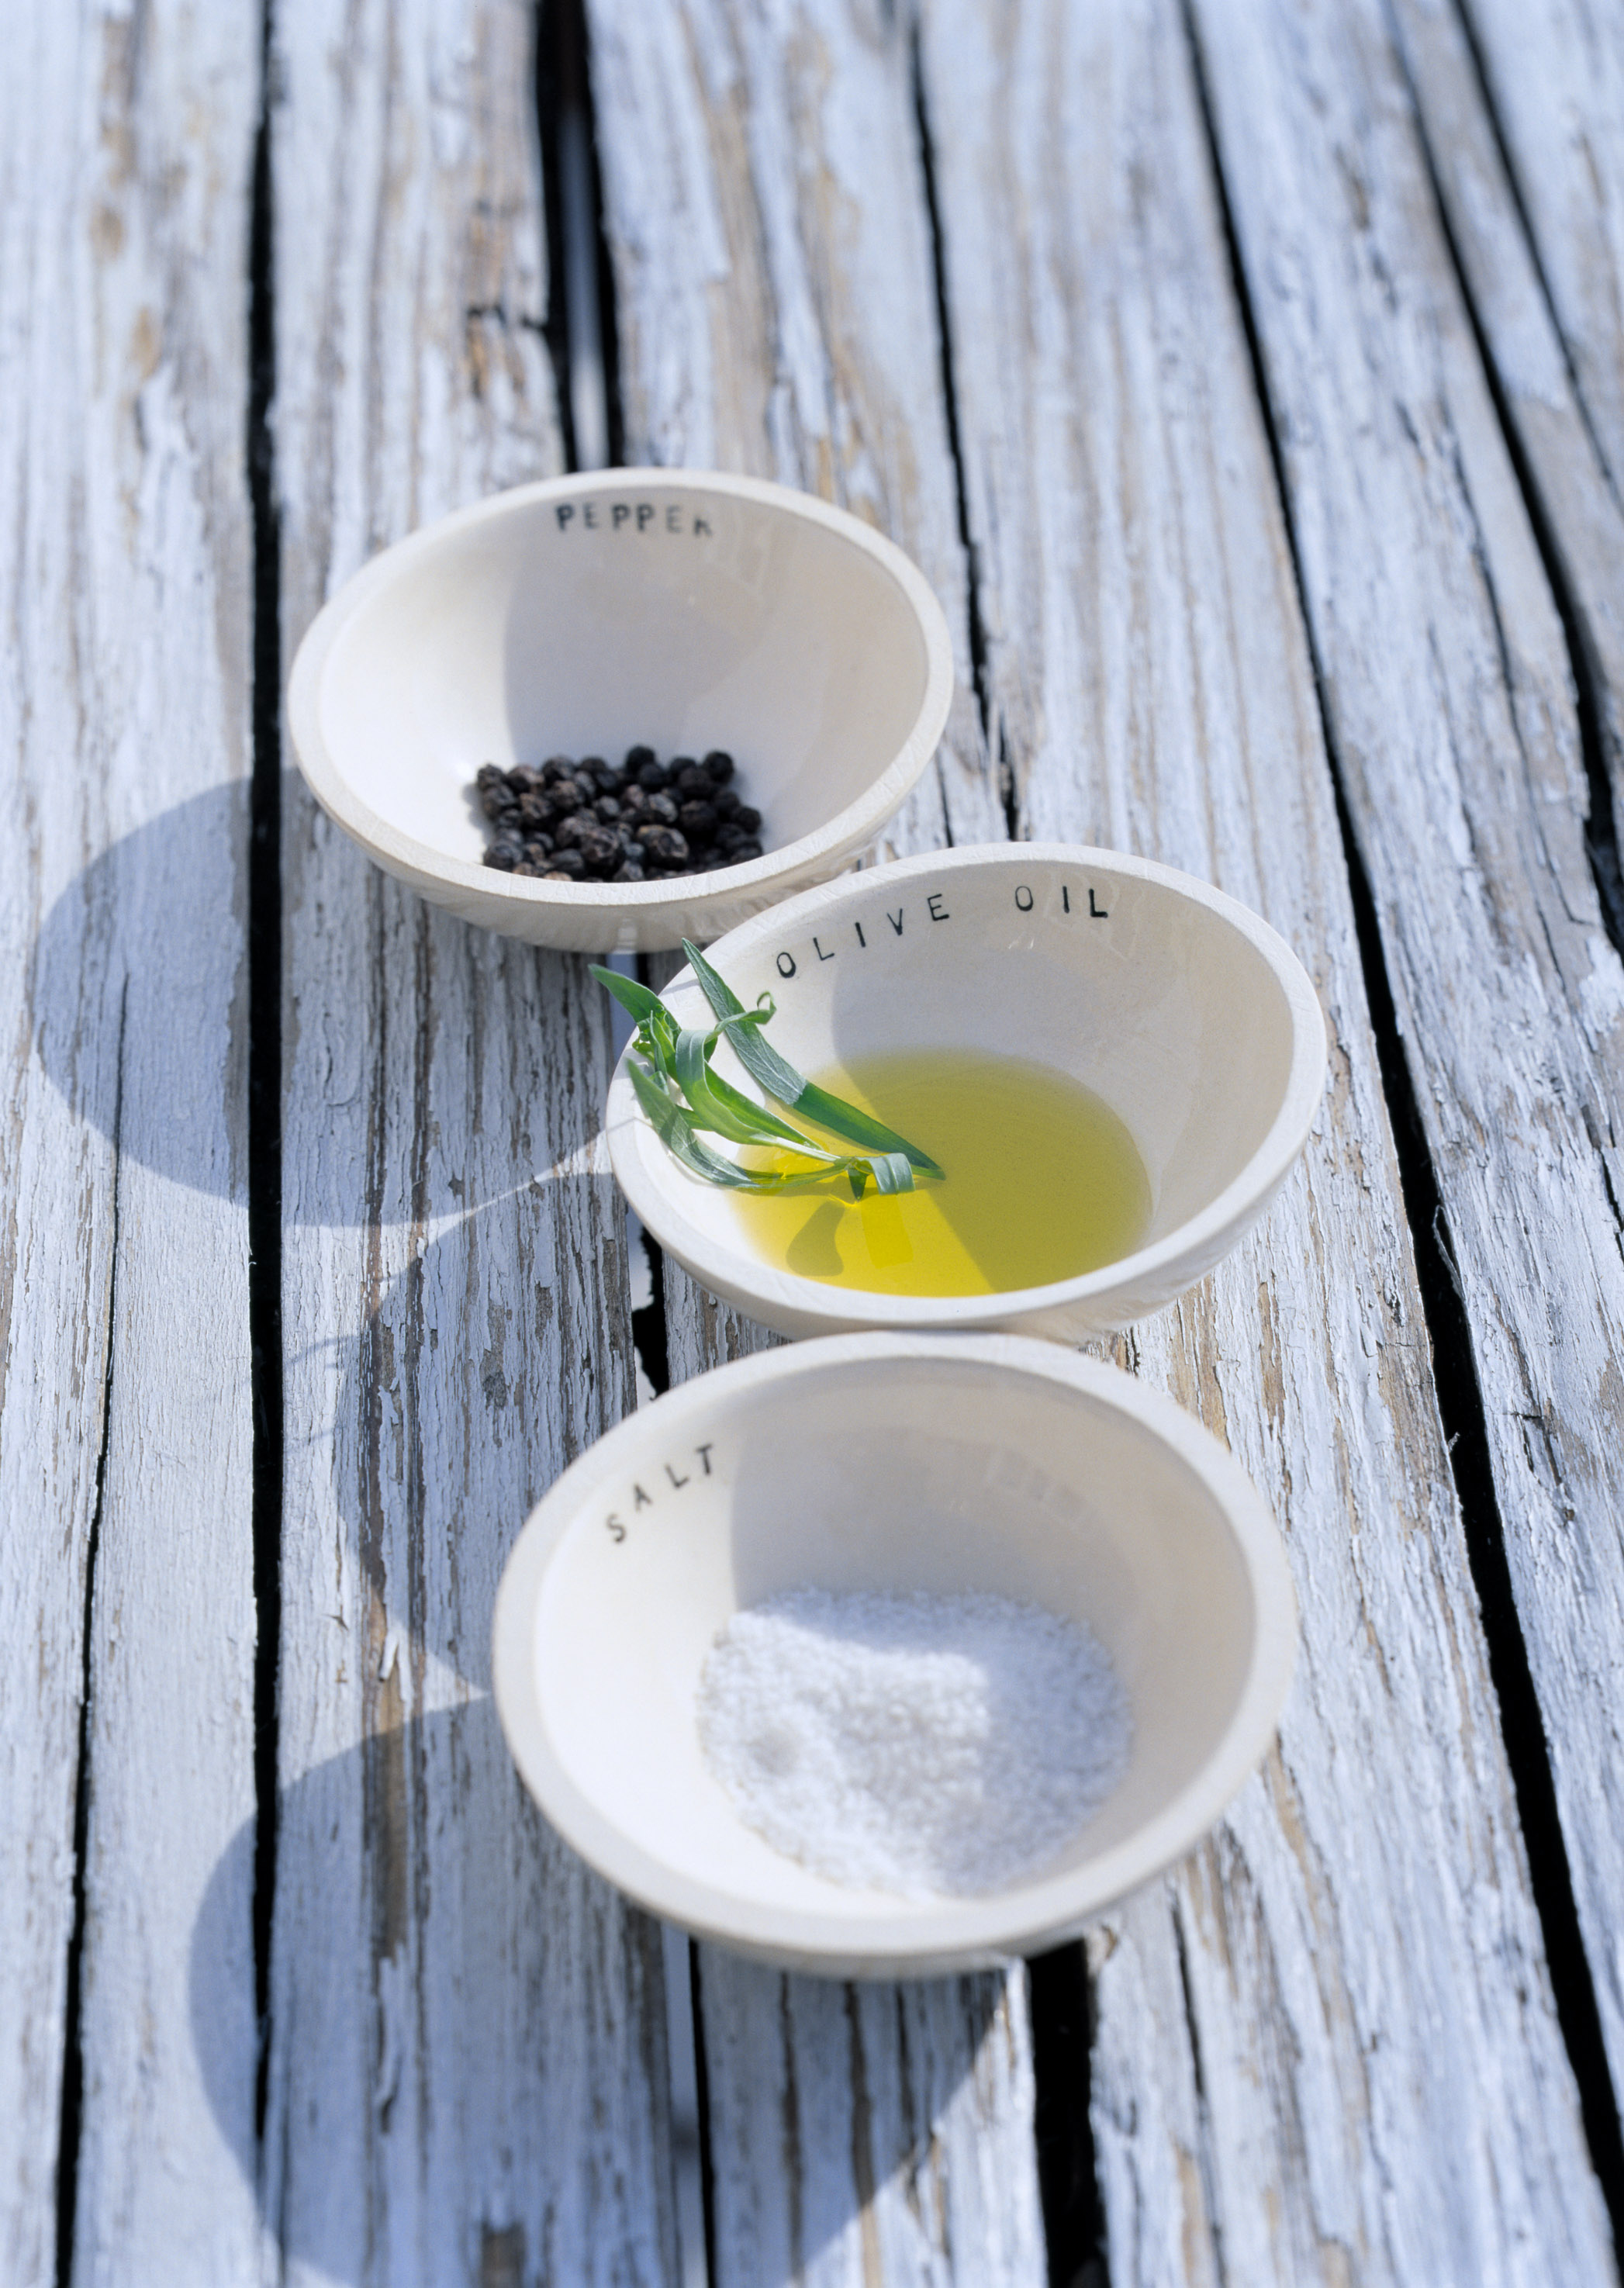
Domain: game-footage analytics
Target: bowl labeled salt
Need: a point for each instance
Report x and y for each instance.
(921, 1744)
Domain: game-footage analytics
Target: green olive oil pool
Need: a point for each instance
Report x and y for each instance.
(1041, 1181)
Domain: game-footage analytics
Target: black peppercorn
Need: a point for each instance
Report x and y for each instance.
(639, 820)
(664, 846)
(599, 848)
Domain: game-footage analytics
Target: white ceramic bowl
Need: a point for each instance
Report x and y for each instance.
(1183, 1010)
(894, 1462)
(589, 614)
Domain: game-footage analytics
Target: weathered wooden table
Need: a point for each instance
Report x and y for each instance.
(1249, 381)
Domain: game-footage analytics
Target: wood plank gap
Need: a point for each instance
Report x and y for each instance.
(1449, 1334)
(975, 628)
(72, 2114)
(701, 2070)
(1061, 2006)
(580, 269)
(651, 1341)
(265, 1060)
(1600, 827)
(648, 1325)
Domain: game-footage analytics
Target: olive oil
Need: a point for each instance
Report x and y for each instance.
(1041, 1181)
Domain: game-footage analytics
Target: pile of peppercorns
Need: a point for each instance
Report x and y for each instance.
(640, 821)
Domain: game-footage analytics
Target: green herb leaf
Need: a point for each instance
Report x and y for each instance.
(892, 1172)
(778, 1078)
(674, 1130)
(637, 1000)
(674, 1062)
(715, 1105)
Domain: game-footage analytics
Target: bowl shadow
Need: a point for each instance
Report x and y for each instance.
(497, 1353)
(468, 2040)
(140, 967)
(139, 993)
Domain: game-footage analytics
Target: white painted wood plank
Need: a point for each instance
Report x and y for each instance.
(124, 160)
(776, 309)
(776, 295)
(1326, 2048)
(1555, 71)
(1447, 693)
(468, 2070)
(904, 2106)
(1543, 386)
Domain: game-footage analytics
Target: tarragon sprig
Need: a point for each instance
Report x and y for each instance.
(678, 1087)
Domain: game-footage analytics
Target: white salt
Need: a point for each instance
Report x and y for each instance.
(913, 1743)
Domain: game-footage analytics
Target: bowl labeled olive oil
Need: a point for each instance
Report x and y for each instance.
(1041, 1181)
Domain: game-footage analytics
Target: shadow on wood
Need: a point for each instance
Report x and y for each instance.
(103, 941)
(467, 2052)
(468, 1390)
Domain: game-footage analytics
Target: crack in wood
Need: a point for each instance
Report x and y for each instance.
(73, 2060)
(572, 204)
(1062, 2019)
(1490, 112)
(974, 628)
(265, 1202)
(1200, 2162)
(1600, 827)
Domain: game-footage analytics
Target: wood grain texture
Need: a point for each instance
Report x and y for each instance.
(1326, 2048)
(766, 211)
(1555, 73)
(468, 2072)
(1540, 380)
(1450, 707)
(124, 152)
(776, 293)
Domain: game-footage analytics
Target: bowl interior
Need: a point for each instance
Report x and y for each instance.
(909, 1472)
(661, 613)
(1158, 1002)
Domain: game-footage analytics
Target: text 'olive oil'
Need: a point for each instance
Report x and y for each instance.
(1042, 1182)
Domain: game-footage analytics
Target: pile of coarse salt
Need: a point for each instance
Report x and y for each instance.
(913, 1743)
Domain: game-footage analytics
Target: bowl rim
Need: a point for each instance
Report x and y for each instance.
(400, 852)
(654, 1185)
(957, 1933)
